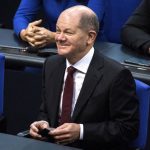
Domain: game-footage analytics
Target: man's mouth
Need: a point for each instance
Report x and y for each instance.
(62, 46)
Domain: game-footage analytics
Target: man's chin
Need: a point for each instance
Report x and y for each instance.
(62, 51)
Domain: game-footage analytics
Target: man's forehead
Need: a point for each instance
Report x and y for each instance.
(70, 15)
(66, 26)
(68, 19)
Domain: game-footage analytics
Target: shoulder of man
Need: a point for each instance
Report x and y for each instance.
(53, 62)
(109, 62)
(111, 67)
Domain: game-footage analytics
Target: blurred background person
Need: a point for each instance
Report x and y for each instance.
(136, 32)
(30, 30)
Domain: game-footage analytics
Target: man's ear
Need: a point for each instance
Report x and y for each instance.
(91, 36)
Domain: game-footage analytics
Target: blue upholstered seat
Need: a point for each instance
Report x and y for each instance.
(117, 12)
(143, 93)
(2, 117)
(2, 59)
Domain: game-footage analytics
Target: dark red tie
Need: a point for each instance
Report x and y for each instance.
(67, 97)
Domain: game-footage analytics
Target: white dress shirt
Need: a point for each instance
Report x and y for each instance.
(82, 66)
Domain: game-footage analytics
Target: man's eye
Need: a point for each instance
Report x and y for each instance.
(69, 33)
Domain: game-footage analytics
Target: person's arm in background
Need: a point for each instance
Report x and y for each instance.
(25, 14)
(136, 32)
(27, 28)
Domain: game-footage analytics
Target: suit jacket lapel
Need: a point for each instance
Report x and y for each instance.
(92, 78)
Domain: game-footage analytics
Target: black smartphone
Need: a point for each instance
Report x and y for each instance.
(44, 133)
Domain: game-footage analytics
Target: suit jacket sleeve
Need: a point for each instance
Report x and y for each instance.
(122, 124)
(136, 32)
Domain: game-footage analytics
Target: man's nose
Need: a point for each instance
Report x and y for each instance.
(60, 36)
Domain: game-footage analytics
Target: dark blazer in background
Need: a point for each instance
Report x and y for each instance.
(136, 31)
(107, 105)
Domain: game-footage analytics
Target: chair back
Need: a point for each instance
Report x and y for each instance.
(2, 59)
(143, 93)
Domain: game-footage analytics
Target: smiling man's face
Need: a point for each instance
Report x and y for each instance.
(71, 40)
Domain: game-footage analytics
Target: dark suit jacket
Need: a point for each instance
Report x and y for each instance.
(107, 105)
(136, 32)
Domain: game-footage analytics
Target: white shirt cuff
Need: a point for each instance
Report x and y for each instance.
(81, 131)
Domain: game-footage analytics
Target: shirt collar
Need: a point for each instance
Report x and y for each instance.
(83, 64)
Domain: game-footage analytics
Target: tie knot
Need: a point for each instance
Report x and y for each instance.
(71, 70)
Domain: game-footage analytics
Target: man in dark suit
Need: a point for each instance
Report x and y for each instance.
(104, 112)
(136, 32)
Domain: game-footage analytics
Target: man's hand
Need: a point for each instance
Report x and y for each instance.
(66, 133)
(36, 126)
(37, 36)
